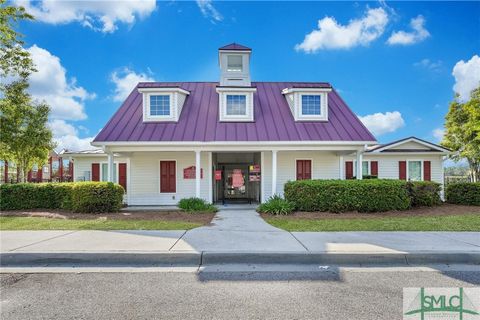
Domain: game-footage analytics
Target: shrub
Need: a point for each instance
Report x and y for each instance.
(94, 197)
(78, 196)
(424, 193)
(467, 193)
(196, 205)
(374, 195)
(276, 205)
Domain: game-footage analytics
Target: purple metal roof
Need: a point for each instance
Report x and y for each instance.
(199, 118)
(235, 46)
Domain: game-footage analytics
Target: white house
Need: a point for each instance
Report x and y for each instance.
(239, 140)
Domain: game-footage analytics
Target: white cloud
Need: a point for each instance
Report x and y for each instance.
(418, 34)
(98, 15)
(125, 80)
(50, 84)
(331, 35)
(467, 77)
(438, 133)
(381, 123)
(209, 11)
(429, 64)
(66, 136)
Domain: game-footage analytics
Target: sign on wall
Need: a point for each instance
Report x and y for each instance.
(254, 168)
(189, 173)
(218, 175)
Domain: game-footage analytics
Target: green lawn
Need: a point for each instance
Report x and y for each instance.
(467, 222)
(29, 223)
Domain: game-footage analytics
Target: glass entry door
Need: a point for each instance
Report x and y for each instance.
(236, 182)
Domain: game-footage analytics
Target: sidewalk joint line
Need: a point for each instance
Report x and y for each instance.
(177, 240)
(31, 244)
(299, 241)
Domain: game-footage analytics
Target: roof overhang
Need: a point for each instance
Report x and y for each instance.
(309, 89)
(388, 148)
(163, 89)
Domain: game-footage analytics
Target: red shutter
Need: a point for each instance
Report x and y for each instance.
(304, 169)
(348, 169)
(122, 175)
(60, 169)
(427, 171)
(6, 171)
(374, 168)
(70, 170)
(402, 170)
(168, 177)
(95, 172)
(40, 174)
(29, 176)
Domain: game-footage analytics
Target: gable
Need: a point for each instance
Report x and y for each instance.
(411, 145)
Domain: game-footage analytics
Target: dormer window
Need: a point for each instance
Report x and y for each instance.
(311, 105)
(308, 104)
(162, 104)
(235, 104)
(234, 63)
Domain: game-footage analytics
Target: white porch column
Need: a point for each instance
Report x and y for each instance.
(210, 178)
(110, 167)
(359, 165)
(274, 172)
(262, 177)
(197, 173)
(341, 170)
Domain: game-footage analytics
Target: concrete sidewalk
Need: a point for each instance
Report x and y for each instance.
(236, 236)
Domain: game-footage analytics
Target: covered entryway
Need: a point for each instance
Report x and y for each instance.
(236, 177)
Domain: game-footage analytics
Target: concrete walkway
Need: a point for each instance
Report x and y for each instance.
(237, 232)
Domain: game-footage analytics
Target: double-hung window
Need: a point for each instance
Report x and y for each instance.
(311, 105)
(365, 168)
(160, 105)
(414, 171)
(236, 105)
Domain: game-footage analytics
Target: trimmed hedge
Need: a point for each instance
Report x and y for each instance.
(372, 195)
(424, 193)
(467, 193)
(78, 196)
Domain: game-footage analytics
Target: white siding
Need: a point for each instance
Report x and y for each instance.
(82, 166)
(145, 178)
(411, 145)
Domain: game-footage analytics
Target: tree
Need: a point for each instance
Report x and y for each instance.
(462, 134)
(26, 138)
(14, 60)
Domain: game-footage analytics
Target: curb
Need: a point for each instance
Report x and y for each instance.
(23, 259)
(143, 259)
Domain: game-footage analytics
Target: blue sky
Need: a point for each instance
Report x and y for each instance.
(394, 63)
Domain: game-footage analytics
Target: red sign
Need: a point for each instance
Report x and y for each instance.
(254, 177)
(218, 175)
(189, 173)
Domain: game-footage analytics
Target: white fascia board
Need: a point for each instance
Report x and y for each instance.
(309, 90)
(424, 143)
(235, 89)
(163, 89)
(403, 153)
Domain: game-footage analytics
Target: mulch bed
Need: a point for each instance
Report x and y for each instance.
(202, 218)
(441, 210)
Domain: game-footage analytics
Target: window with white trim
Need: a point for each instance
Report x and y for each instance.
(311, 105)
(236, 105)
(414, 170)
(234, 63)
(159, 105)
(104, 176)
(365, 168)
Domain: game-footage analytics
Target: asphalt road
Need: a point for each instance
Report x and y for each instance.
(330, 294)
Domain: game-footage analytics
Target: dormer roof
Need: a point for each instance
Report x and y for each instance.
(235, 47)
